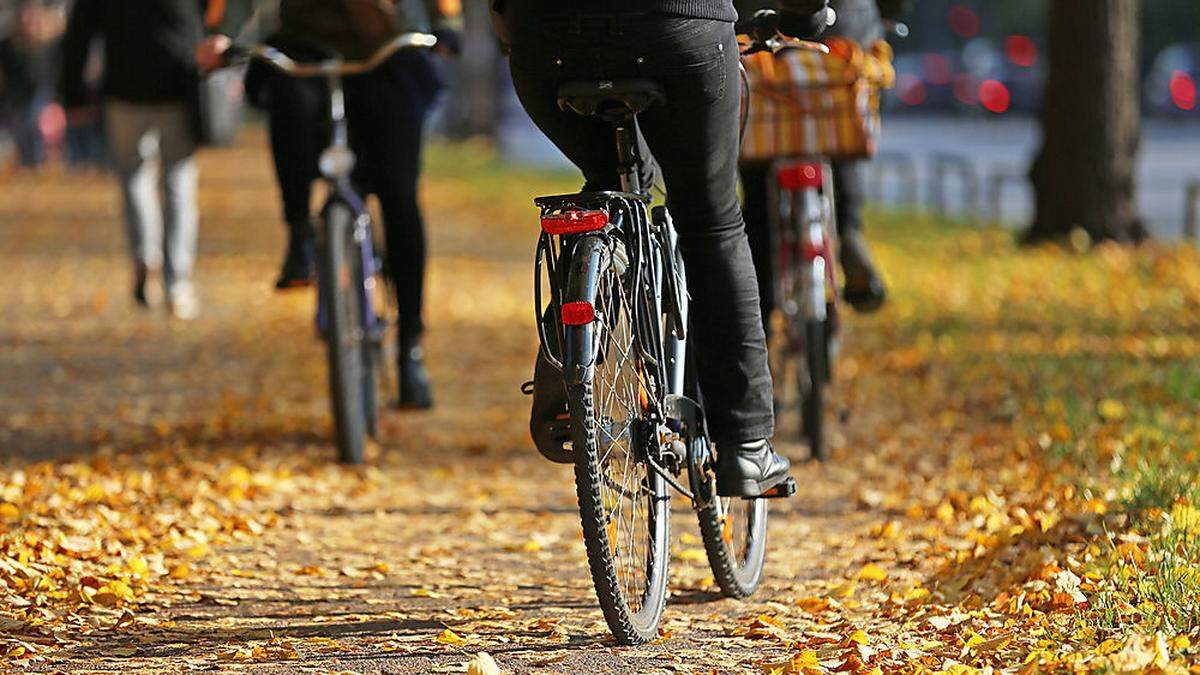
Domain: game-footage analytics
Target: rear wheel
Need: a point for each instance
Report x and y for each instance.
(350, 374)
(623, 504)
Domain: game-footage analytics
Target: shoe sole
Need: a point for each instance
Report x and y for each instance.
(750, 488)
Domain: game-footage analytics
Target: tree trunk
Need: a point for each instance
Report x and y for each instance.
(474, 109)
(1084, 175)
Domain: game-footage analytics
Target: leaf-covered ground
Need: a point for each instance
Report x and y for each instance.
(1014, 483)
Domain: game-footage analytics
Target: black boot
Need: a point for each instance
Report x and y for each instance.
(299, 268)
(549, 421)
(750, 470)
(864, 288)
(415, 390)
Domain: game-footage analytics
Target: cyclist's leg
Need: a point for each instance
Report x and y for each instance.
(864, 287)
(756, 210)
(297, 121)
(695, 138)
(387, 110)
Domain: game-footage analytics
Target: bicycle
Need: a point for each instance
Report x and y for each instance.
(611, 300)
(356, 305)
(800, 193)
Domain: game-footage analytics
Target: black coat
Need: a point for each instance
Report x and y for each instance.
(148, 49)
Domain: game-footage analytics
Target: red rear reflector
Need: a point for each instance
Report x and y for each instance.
(574, 222)
(801, 176)
(578, 313)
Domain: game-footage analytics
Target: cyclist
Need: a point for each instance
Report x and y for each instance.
(863, 22)
(689, 48)
(386, 108)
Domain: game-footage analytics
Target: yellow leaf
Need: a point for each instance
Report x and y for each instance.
(180, 571)
(872, 572)
(813, 605)
(1111, 410)
(860, 637)
(449, 637)
(945, 512)
(483, 664)
(139, 567)
(9, 512)
(844, 590)
(693, 555)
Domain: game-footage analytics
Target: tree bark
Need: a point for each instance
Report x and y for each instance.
(475, 108)
(1084, 175)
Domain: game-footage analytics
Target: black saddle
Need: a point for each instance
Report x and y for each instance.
(613, 100)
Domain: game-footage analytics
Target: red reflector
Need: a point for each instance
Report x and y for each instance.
(578, 313)
(574, 222)
(801, 176)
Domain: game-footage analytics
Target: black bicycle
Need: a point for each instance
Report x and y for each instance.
(356, 304)
(609, 271)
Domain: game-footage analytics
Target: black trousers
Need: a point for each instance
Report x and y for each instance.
(694, 138)
(386, 110)
(849, 192)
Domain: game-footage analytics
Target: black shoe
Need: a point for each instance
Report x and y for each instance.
(415, 390)
(299, 263)
(549, 420)
(750, 469)
(864, 287)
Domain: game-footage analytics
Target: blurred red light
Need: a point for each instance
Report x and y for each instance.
(911, 90)
(937, 69)
(1021, 50)
(801, 177)
(964, 21)
(574, 222)
(994, 96)
(1183, 90)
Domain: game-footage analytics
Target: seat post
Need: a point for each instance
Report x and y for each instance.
(628, 159)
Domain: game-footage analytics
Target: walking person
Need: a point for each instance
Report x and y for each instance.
(147, 91)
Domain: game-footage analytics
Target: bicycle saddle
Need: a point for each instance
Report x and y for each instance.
(610, 99)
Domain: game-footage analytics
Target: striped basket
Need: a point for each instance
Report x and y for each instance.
(807, 104)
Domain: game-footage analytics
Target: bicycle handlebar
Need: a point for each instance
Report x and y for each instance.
(328, 67)
(763, 30)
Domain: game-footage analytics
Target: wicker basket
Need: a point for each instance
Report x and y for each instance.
(807, 104)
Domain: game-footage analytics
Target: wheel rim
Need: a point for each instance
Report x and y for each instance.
(626, 484)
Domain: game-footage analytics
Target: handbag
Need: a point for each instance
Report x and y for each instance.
(808, 104)
(219, 106)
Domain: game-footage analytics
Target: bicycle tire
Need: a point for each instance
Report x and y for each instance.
(736, 546)
(633, 613)
(341, 277)
(813, 387)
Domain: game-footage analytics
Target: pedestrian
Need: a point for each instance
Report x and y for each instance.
(28, 65)
(147, 90)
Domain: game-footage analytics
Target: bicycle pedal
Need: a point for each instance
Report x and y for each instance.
(782, 491)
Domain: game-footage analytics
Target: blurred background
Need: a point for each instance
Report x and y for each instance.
(961, 123)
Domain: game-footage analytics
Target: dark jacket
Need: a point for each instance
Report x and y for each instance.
(858, 20)
(148, 49)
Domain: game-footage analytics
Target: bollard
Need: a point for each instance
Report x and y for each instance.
(942, 166)
(1001, 177)
(900, 164)
(1191, 210)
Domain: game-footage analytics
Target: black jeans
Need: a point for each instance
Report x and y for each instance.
(694, 138)
(386, 110)
(848, 190)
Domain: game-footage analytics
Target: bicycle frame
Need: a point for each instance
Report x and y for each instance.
(649, 244)
(337, 167)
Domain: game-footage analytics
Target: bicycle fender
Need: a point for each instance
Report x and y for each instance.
(588, 258)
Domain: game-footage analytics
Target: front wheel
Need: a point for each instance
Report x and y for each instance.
(734, 531)
(814, 385)
(350, 374)
(623, 503)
